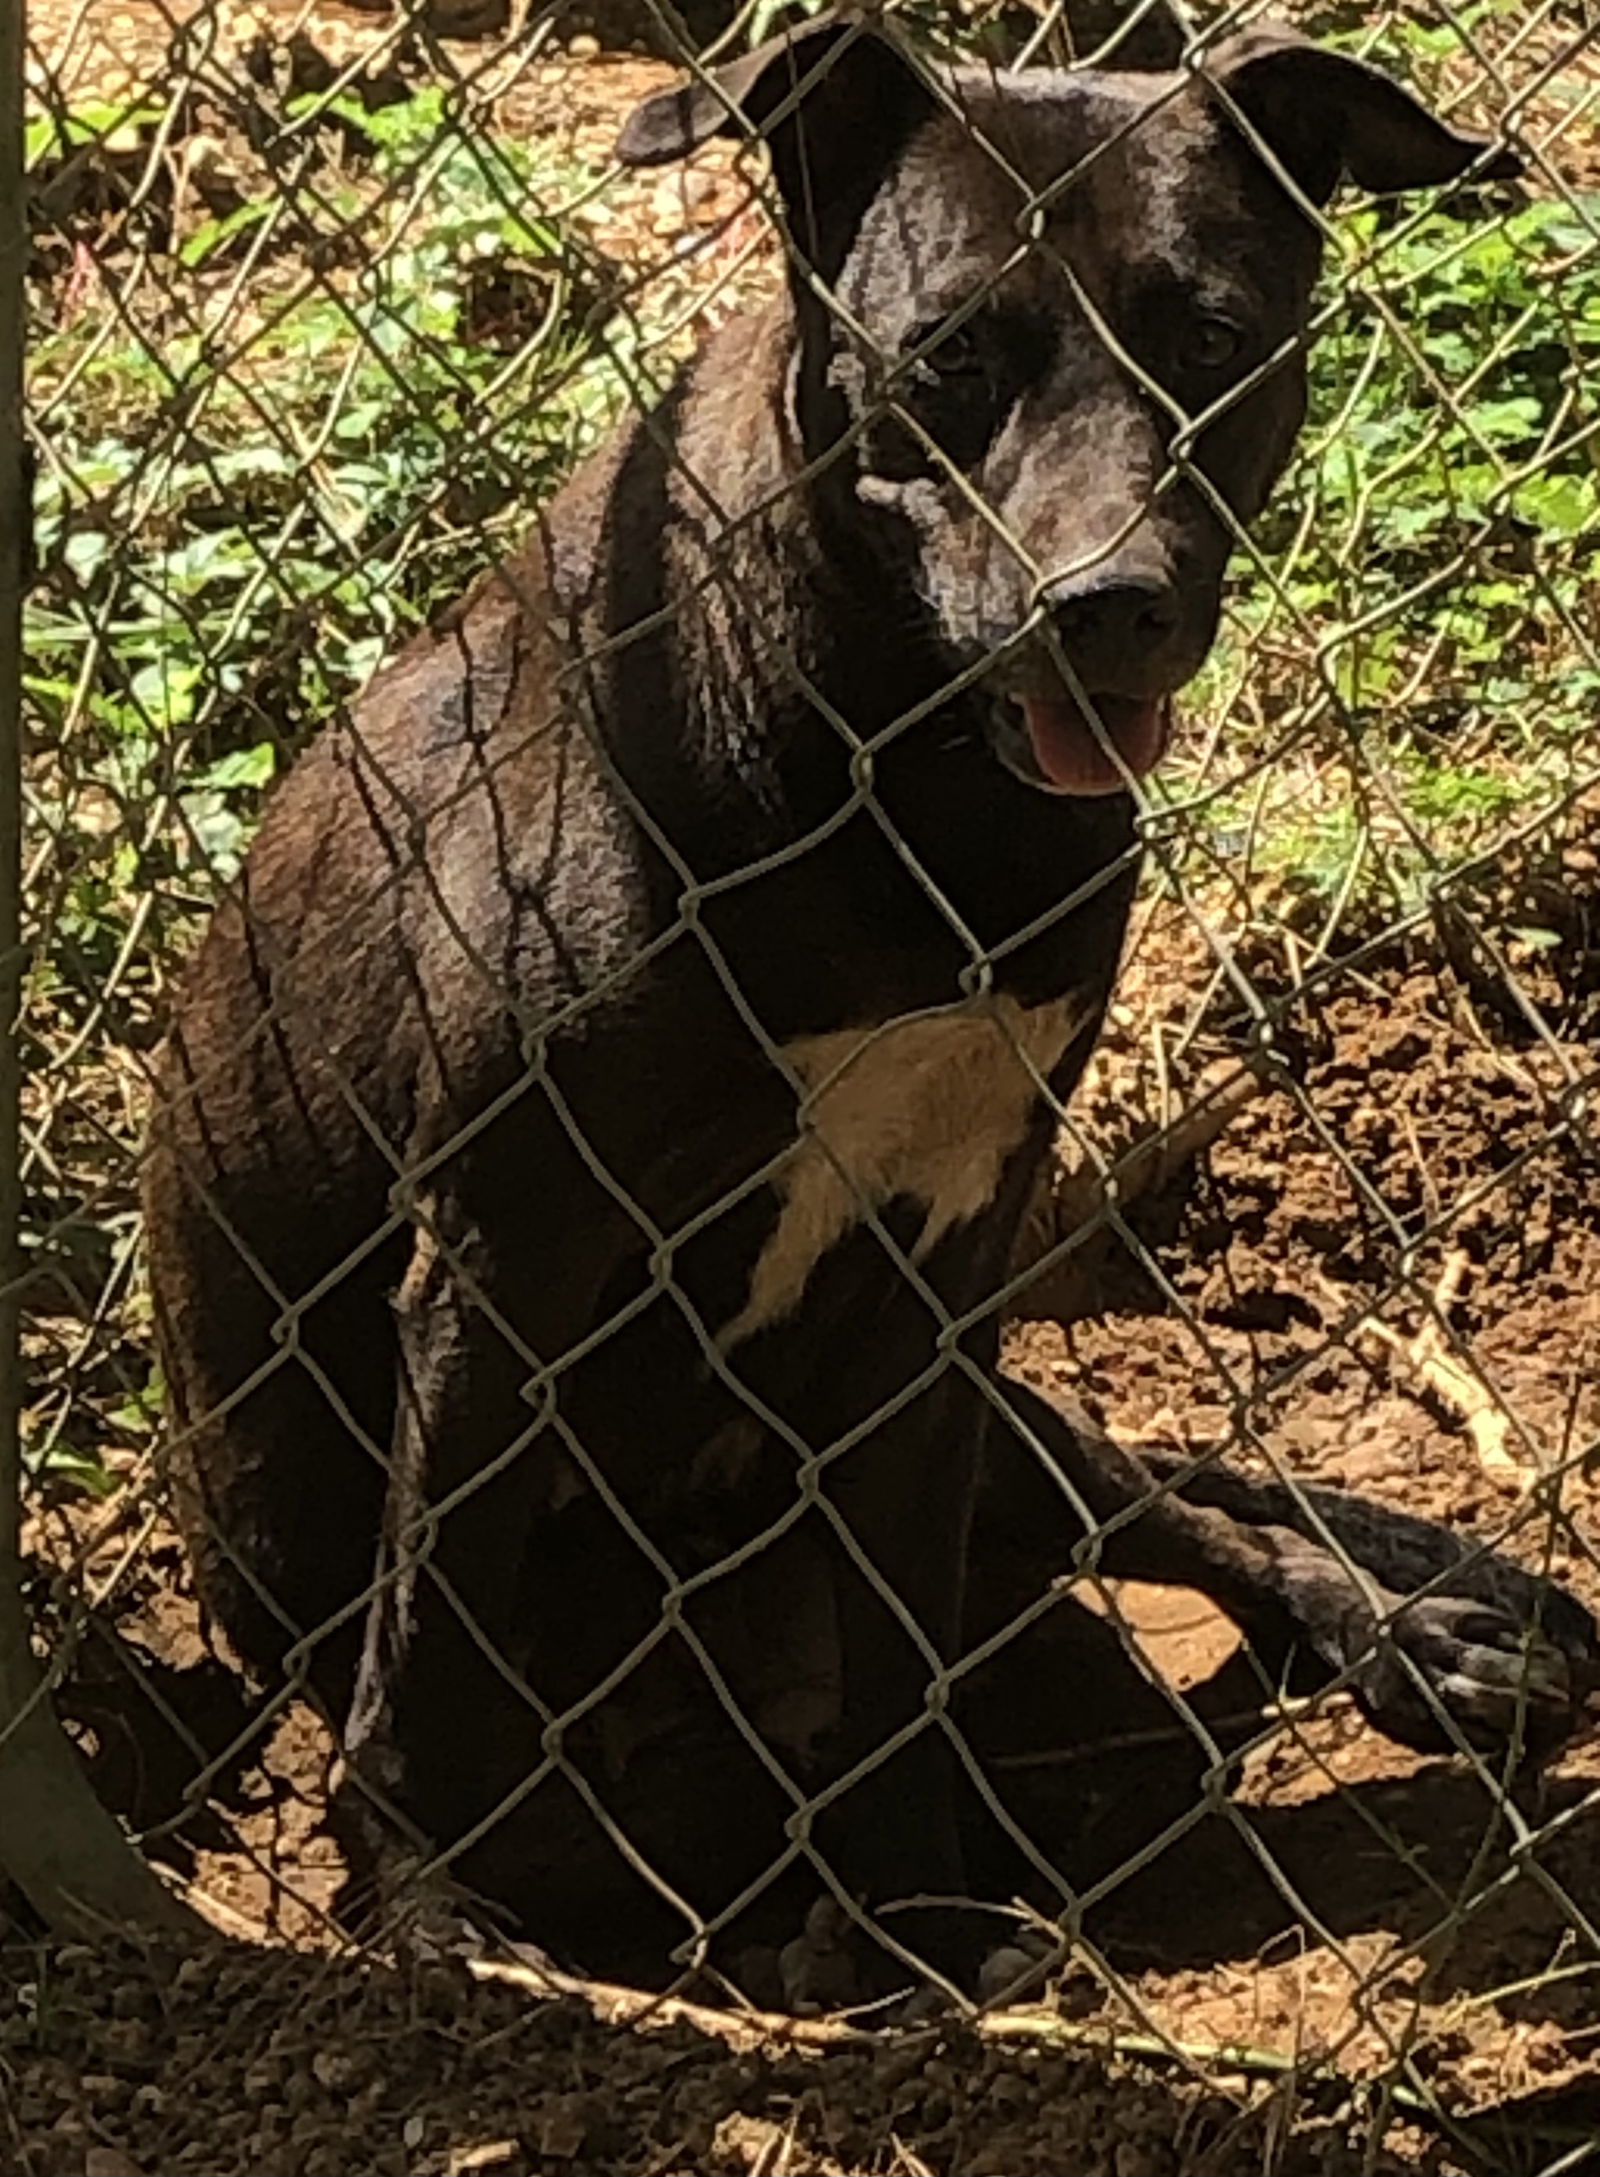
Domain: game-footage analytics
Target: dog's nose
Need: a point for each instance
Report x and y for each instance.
(1115, 623)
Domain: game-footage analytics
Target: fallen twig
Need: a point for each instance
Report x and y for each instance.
(1453, 1379)
(1223, 1091)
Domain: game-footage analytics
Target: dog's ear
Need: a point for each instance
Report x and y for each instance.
(1323, 114)
(834, 100)
(732, 100)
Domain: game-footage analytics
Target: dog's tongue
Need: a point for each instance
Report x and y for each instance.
(1068, 751)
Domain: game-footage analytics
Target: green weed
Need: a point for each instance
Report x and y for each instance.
(252, 496)
(1417, 644)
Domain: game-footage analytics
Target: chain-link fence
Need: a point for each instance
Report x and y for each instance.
(752, 1278)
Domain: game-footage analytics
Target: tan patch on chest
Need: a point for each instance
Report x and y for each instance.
(929, 1107)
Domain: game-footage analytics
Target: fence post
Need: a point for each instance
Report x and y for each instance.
(57, 1843)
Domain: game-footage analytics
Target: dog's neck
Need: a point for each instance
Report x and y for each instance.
(770, 635)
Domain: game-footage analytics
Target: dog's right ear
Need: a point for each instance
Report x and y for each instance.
(834, 101)
(734, 99)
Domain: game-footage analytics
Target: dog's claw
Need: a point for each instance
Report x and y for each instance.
(1448, 1665)
(1507, 1659)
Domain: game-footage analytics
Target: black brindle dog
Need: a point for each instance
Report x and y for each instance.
(595, 1133)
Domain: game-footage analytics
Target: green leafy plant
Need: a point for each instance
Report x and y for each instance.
(246, 505)
(1424, 615)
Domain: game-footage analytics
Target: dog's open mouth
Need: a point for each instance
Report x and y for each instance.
(1073, 758)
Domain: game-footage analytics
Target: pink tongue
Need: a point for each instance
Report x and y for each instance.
(1067, 751)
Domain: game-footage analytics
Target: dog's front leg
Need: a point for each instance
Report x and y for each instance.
(1487, 1593)
(902, 1500)
(1486, 1660)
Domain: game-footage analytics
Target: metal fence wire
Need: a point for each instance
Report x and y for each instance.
(738, 1401)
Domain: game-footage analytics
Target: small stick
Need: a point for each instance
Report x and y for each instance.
(618, 2006)
(1454, 1380)
(743, 2030)
(1223, 1091)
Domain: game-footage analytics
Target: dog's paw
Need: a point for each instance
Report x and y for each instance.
(826, 1967)
(1443, 1665)
(1503, 1659)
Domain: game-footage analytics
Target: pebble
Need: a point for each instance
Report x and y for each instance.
(341, 2071)
(1009, 1973)
(110, 2162)
(102, 2091)
(128, 2042)
(1134, 2158)
(563, 2128)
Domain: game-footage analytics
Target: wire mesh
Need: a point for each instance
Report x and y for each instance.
(711, 1367)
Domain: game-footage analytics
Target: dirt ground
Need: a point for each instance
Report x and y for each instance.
(1239, 1298)
(1356, 1912)
(241, 2064)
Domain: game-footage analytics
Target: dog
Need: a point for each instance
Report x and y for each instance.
(593, 1134)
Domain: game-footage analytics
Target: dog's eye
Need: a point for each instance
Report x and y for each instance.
(1210, 343)
(959, 393)
(958, 355)
(954, 393)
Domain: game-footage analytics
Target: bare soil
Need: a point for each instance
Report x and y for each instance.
(270, 2064)
(1413, 1166)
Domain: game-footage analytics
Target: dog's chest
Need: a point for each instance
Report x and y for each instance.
(927, 1108)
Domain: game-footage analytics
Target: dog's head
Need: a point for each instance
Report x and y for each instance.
(1051, 336)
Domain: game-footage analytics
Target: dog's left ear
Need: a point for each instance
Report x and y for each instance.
(1323, 114)
(834, 100)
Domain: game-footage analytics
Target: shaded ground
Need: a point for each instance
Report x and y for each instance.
(262, 2065)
